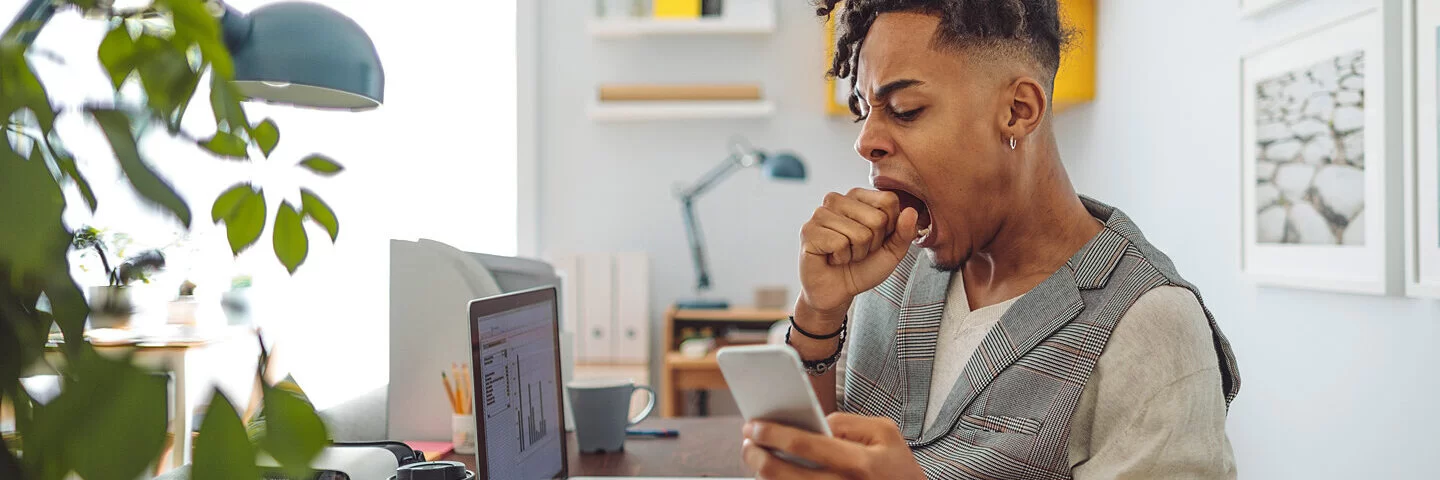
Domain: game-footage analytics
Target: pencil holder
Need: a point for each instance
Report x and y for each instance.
(462, 433)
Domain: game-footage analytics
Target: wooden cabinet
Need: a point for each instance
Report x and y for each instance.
(679, 373)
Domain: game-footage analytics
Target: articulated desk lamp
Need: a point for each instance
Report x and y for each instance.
(294, 53)
(778, 166)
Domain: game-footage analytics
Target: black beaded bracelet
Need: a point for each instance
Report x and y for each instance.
(819, 367)
(818, 337)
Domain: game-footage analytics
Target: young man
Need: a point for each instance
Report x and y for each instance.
(999, 325)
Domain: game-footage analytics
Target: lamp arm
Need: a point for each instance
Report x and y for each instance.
(40, 11)
(697, 244)
(711, 178)
(692, 225)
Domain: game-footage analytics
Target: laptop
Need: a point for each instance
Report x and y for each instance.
(519, 421)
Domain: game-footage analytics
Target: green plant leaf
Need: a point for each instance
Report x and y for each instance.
(164, 73)
(222, 451)
(29, 239)
(225, 101)
(246, 222)
(23, 90)
(229, 199)
(117, 54)
(20, 28)
(226, 145)
(117, 129)
(67, 303)
(266, 135)
(291, 243)
(294, 434)
(194, 23)
(118, 409)
(316, 210)
(321, 165)
(182, 90)
(67, 166)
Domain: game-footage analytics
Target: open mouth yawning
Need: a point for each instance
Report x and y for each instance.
(922, 223)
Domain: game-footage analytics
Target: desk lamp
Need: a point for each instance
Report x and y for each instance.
(778, 166)
(293, 53)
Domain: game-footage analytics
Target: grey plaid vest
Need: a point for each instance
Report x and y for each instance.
(1009, 414)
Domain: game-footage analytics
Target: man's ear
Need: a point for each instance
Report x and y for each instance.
(1028, 106)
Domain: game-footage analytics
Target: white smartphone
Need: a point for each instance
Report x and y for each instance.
(769, 383)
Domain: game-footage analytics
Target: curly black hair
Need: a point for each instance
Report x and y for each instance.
(1003, 27)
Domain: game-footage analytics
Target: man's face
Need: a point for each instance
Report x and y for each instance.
(932, 132)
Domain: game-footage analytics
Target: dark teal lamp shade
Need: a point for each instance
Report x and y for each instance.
(304, 54)
(783, 166)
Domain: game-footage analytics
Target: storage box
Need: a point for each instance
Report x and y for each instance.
(677, 8)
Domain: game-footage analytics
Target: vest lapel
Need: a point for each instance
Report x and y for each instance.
(1033, 318)
(918, 326)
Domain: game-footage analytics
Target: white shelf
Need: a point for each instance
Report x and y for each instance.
(739, 17)
(694, 110)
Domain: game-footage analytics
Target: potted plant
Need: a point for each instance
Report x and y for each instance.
(183, 307)
(177, 54)
(111, 305)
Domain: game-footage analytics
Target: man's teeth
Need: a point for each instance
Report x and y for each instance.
(923, 232)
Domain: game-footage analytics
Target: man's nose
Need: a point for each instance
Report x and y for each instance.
(874, 143)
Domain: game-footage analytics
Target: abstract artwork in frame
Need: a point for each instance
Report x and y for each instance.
(1313, 160)
(1422, 163)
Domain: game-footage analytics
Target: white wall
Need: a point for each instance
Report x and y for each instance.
(1334, 386)
(607, 186)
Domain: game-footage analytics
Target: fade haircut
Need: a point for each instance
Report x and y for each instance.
(991, 29)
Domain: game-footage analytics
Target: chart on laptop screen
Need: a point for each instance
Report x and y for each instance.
(516, 366)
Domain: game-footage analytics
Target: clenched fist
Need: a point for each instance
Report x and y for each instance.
(851, 244)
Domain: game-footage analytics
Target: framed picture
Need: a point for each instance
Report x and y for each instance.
(1314, 162)
(1250, 8)
(1422, 144)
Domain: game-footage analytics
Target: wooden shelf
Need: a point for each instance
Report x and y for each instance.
(692, 110)
(734, 315)
(679, 361)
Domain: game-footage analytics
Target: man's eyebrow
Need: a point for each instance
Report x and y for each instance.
(890, 88)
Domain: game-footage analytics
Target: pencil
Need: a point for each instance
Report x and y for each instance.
(469, 405)
(450, 393)
(459, 388)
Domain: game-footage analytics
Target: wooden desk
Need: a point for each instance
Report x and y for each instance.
(679, 373)
(708, 447)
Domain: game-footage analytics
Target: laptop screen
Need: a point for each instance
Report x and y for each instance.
(520, 424)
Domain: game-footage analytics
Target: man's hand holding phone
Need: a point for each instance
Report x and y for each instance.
(863, 448)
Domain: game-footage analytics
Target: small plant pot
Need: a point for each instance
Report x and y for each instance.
(110, 307)
(181, 311)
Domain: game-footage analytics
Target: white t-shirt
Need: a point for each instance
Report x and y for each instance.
(1154, 405)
